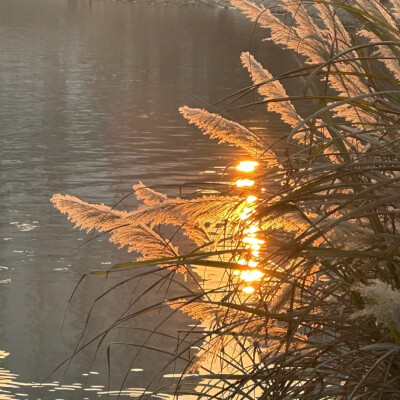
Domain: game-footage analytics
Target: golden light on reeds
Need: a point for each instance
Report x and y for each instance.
(251, 229)
(247, 166)
(248, 211)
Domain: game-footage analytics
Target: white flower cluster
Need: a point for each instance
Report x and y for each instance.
(383, 303)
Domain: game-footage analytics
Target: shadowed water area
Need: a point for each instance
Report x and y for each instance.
(89, 97)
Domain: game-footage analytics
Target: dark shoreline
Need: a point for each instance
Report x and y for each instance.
(191, 3)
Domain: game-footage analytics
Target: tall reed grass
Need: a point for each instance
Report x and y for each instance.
(308, 240)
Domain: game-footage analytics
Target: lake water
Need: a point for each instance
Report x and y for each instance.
(89, 97)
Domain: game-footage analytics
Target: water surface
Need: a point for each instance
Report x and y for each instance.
(89, 92)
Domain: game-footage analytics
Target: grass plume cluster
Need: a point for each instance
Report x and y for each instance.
(322, 319)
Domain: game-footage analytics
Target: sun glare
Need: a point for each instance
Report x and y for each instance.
(253, 242)
(251, 275)
(248, 290)
(244, 183)
(250, 230)
(247, 166)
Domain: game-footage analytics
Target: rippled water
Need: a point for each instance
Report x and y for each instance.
(89, 92)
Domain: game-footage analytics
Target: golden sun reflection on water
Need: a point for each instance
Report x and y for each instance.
(244, 183)
(7, 381)
(250, 239)
(247, 166)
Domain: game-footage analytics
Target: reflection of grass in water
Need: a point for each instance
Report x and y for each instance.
(324, 210)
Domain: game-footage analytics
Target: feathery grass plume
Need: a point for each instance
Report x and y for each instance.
(147, 195)
(377, 10)
(287, 34)
(137, 237)
(192, 212)
(333, 39)
(280, 32)
(395, 5)
(88, 216)
(384, 53)
(306, 27)
(226, 131)
(318, 45)
(333, 24)
(146, 241)
(126, 227)
(270, 90)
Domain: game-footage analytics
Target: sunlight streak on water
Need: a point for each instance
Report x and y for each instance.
(250, 240)
(244, 183)
(247, 166)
